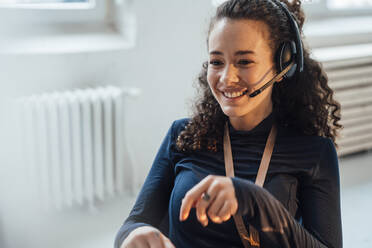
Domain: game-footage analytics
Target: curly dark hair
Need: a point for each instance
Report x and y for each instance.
(304, 102)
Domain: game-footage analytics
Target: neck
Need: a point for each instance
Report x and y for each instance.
(251, 119)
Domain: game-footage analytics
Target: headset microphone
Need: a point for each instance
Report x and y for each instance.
(273, 80)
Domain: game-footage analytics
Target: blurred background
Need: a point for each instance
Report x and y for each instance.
(85, 93)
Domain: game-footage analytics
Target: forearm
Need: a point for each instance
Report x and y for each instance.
(271, 218)
(152, 202)
(128, 226)
(149, 209)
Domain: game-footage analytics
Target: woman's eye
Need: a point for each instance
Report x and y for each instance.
(215, 62)
(244, 62)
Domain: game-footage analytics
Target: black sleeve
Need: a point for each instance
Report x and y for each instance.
(151, 205)
(319, 203)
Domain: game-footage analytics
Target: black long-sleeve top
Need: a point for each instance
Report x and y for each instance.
(299, 205)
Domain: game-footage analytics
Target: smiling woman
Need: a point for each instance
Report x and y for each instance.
(302, 102)
(235, 71)
(262, 96)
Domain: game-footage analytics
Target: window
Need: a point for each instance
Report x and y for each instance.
(348, 4)
(61, 26)
(338, 22)
(323, 9)
(19, 2)
(24, 12)
(217, 2)
(48, 4)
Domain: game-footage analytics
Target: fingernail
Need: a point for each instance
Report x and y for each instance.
(184, 217)
(205, 223)
(203, 217)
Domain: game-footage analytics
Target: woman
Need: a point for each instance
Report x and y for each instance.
(187, 187)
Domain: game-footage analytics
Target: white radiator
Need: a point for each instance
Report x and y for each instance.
(349, 70)
(75, 145)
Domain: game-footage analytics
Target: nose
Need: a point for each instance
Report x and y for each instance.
(229, 75)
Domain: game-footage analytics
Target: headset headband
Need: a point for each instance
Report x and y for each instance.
(299, 49)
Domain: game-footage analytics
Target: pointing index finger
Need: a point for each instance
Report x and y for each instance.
(193, 195)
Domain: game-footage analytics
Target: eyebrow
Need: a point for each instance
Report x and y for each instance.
(240, 52)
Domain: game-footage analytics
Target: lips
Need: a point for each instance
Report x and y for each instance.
(233, 90)
(233, 100)
(234, 94)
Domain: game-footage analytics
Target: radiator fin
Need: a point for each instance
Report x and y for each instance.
(74, 142)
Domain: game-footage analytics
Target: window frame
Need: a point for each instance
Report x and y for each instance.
(49, 14)
(319, 15)
(316, 10)
(110, 25)
(16, 14)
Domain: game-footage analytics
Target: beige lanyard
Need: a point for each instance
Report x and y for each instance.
(253, 239)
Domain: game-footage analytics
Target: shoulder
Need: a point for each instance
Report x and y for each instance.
(323, 145)
(318, 143)
(327, 166)
(328, 152)
(318, 149)
(179, 124)
(322, 153)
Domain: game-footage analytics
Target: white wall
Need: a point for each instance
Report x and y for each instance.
(164, 63)
(169, 51)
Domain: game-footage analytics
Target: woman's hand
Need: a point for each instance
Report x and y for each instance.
(221, 204)
(146, 237)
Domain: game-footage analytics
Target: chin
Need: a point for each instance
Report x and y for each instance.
(234, 112)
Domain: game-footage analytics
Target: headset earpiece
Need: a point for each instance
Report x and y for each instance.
(286, 53)
(291, 50)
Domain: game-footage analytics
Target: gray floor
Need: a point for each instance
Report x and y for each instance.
(356, 200)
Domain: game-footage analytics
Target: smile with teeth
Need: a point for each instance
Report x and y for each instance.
(234, 94)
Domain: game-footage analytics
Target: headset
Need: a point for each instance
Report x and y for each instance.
(291, 50)
(289, 58)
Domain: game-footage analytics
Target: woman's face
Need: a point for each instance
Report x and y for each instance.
(240, 59)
